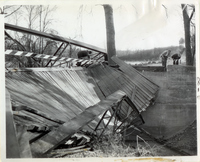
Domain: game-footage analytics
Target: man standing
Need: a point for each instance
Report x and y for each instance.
(164, 56)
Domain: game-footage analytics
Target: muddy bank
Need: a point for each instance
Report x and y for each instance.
(175, 105)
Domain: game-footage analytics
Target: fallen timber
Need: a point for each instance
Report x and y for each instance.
(50, 104)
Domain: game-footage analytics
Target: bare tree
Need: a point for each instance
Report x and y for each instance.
(37, 18)
(8, 8)
(187, 19)
(45, 21)
(110, 33)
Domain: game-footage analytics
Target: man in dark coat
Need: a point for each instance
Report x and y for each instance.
(176, 58)
(84, 54)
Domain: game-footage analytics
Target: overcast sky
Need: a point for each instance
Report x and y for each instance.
(139, 24)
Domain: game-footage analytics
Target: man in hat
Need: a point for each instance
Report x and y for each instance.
(164, 56)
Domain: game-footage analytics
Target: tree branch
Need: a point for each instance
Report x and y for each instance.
(14, 11)
(165, 10)
(192, 14)
(14, 40)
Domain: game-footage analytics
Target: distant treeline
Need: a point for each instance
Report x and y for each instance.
(141, 55)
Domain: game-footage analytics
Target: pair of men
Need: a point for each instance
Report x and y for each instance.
(164, 56)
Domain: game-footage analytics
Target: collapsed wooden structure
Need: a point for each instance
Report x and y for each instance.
(47, 106)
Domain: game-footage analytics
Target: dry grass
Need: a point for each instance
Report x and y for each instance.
(113, 146)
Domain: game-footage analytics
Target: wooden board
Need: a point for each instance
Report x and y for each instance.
(146, 90)
(110, 80)
(12, 146)
(44, 91)
(136, 75)
(56, 137)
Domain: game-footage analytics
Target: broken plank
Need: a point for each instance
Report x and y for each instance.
(37, 112)
(54, 138)
(63, 154)
(67, 149)
(12, 146)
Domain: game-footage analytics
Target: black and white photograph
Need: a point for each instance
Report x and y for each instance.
(98, 80)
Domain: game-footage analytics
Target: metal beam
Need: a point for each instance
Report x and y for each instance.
(100, 121)
(60, 53)
(54, 54)
(115, 112)
(96, 55)
(14, 40)
(54, 37)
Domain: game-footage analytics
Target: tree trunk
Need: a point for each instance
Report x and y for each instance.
(186, 20)
(110, 33)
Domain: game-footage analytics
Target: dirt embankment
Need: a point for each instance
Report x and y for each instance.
(186, 140)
